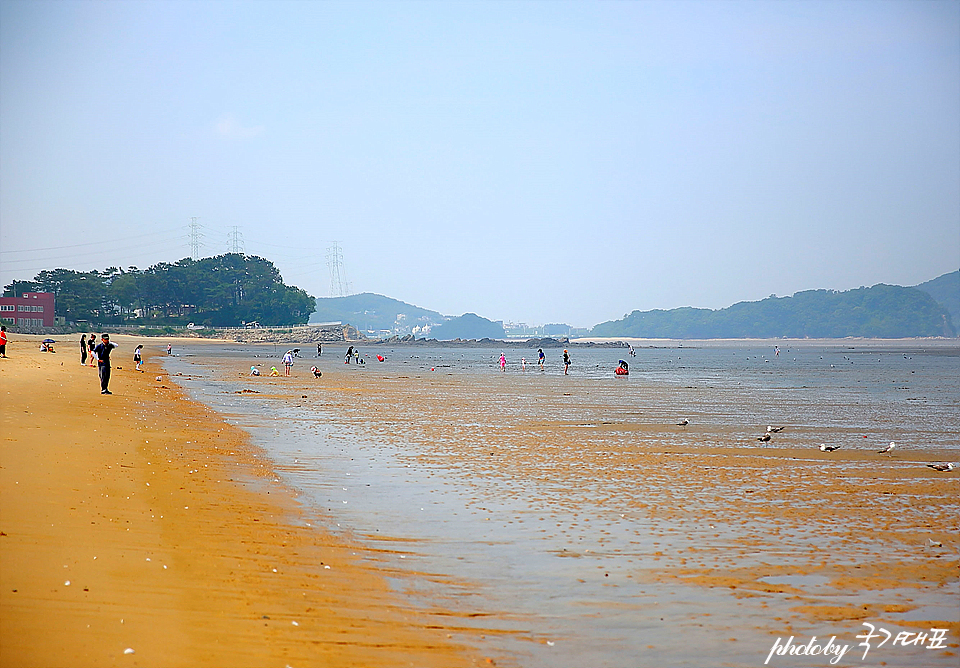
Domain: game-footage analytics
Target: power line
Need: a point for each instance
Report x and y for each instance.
(195, 236)
(338, 284)
(89, 243)
(235, 241)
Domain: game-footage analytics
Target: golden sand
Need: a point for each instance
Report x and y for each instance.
(105, 492)
(140, 521)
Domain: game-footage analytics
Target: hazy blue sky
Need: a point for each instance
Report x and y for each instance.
(535, 162)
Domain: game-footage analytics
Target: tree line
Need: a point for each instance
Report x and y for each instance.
(882, 311)
(223, 291)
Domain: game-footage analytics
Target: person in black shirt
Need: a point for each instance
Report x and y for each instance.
(103, 362)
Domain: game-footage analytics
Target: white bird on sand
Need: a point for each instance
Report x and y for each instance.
(683, 423)
(764, 438)
(888, 448)
(774, 430)
(828, 448)
(942, 467)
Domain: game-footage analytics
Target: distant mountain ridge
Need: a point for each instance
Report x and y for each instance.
(931, 308)
(372, 312)
(946, 290)
(881, 311)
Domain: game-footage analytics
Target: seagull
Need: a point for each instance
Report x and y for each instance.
(888, 448)
(942, 467)
(774, 430)
(683, 423)
(828, 448)
(764, 438)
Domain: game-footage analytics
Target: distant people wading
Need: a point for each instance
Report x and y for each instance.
(503, 362)
(103, 362)
(566, 362)
(540, 357)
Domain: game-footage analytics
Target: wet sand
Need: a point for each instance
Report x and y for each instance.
(760, 541)
(752, 542)
(140, 521)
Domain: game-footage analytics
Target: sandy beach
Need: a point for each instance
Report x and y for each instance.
(138, 529)
(183, 541)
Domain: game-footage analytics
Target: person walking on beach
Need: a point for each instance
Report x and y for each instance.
(103, 362)
(503, 362)
(540, 357)
(566, 362)
(287, 362)
(346, 360)
(83, 349)
(91, 344)
(3, 340)
(319, 349)
(138, 358)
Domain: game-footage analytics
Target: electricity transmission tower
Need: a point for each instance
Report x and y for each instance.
(338, 284)
(195, 237)
(235, 241)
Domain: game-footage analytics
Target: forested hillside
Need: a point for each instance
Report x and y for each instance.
(372, 312)
(882, 311)
(226, 290)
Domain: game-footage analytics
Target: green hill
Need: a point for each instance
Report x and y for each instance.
(372, 312)
(882, 311)
(468, 326)
(946, 290)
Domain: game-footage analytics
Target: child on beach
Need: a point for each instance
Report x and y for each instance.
(316, 372)
(503, 362)
(91, 344)
(138, 358)
(254, 371)
(273, 371)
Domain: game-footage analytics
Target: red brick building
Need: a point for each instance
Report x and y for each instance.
(31, 309)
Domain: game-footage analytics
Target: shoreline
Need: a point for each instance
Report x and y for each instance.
(765, 540)
(142, 521)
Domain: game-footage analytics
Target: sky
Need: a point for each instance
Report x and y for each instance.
(533, 162)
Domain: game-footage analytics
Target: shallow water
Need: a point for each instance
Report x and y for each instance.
(514, 494)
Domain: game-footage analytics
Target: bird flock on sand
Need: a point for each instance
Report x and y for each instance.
(945, 467)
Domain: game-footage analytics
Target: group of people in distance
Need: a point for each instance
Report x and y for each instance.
(541, 358)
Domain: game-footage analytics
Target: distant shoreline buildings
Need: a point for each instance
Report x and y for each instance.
(30, 310)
